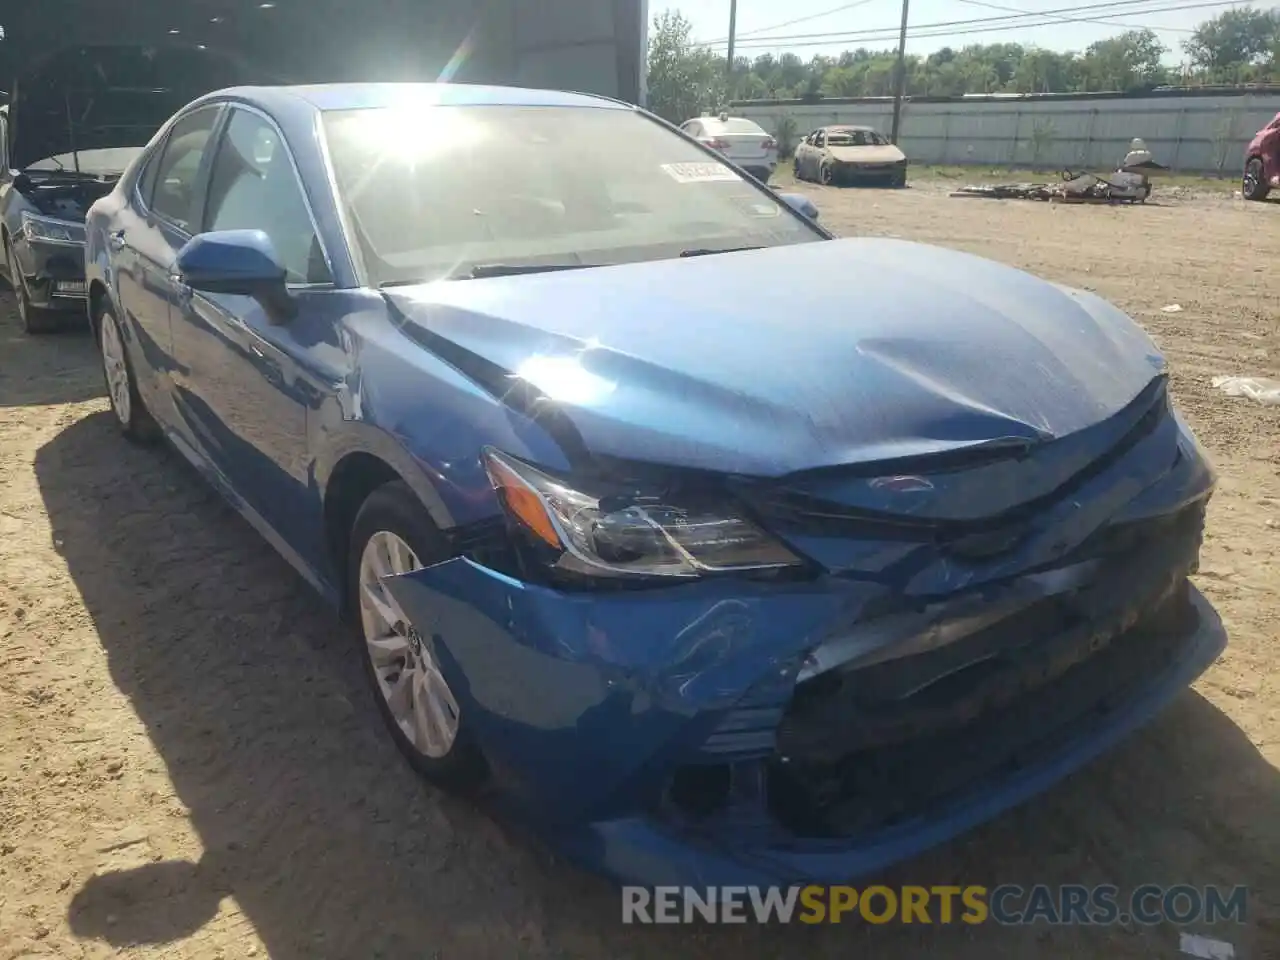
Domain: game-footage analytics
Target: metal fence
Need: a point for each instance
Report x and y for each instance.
(1194, 134)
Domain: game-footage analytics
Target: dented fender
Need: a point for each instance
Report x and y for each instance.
(576, 696)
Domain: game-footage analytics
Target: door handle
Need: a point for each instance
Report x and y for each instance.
(115, 240)
(180, 288)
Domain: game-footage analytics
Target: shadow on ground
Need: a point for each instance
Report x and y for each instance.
(59, 367)
(251, 694)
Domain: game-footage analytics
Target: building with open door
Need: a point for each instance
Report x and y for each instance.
(594, 46)
(87, 84)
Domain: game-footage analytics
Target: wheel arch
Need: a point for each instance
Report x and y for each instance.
(350, 481)
(98, 295)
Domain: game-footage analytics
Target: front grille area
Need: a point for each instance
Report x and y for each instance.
(861, 748)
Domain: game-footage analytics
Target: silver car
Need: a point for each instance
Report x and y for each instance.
(845, 154)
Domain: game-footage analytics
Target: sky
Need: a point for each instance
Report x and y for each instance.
(865, 21)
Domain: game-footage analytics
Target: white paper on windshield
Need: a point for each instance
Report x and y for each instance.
(699, 172)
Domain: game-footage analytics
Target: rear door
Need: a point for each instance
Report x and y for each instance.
(144, 240)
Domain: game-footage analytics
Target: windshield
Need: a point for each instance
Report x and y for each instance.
(435, 191)
(855, 138)
(107, 162)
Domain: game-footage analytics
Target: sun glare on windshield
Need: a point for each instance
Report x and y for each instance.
(412, 132)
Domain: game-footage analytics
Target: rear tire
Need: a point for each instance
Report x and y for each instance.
(1253, 185)
(393, 517)
(135, 421)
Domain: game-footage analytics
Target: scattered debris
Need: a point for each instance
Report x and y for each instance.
(1206, 948)
(1130, 183)
(1262, 389)
(1172, 308)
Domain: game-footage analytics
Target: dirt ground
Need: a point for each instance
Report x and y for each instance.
(190, 766)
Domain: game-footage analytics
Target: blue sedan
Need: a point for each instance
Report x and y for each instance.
(711, 547)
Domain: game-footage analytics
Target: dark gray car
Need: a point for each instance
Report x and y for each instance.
(76, 119)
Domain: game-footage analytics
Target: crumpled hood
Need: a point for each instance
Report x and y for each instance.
(885, 154)
(771, 361)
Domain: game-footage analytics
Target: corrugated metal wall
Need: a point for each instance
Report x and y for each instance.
(1201, 134)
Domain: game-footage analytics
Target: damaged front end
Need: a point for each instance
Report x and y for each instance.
(954, 636)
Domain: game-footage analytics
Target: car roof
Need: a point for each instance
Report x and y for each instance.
(364, 96)
(848, 128)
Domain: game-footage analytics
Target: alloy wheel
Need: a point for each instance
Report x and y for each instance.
(1252, 179)
(408, 675)
(116, 370)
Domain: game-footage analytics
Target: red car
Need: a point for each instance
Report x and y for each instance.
(1262, 162)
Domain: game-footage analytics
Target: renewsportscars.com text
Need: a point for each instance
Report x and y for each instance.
(1008, 904)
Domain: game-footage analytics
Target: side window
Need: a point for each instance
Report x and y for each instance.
(174, 182)
(146, 183)
(254, 187)
(820, 139)
(693, 128)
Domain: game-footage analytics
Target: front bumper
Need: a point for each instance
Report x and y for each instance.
(590, 706)
(858, 172)
(52, 273)
(638, 850)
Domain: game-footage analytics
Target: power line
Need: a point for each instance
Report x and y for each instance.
(966, 26)
(1105, 23)
(792, 23)
(1105, 5)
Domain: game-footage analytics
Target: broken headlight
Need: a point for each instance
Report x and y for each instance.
(621, 535)
(52, 230)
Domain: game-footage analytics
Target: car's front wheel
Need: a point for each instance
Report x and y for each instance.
(826, 174)
(122, 390)
(394, 535)
(34, 319)
(1254, 185)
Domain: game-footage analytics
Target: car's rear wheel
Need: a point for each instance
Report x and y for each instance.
(135, 421)
(394, 535)
(1254, 185)
(34, 320)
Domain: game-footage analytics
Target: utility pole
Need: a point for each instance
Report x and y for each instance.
(899, 77)
(733, 29)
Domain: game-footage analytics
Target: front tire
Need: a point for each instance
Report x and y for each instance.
(1254, 186)
(826, 175)
(393, 534)
(135, 421)
(34, 320)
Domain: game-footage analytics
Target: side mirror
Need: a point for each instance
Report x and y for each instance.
(237, 262)
(800, 204)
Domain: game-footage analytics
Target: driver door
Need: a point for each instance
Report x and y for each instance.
(248, 379)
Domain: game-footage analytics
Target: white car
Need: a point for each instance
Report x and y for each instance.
(741, 141)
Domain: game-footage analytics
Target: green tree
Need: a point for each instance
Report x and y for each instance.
(1233, 39)
(1238, 46)
(1128, 61)
(684, 80)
